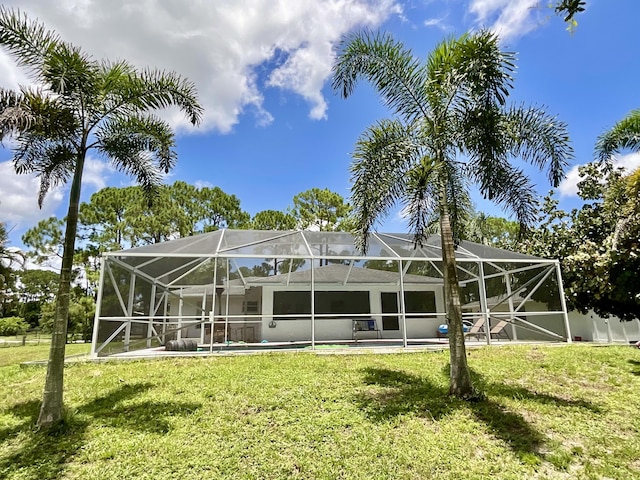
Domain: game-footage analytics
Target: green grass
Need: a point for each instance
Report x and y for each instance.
(30, 338)
(17, 354)
(550, 412)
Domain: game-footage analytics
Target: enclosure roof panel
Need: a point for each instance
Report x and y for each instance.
(342, 274)
(202, 244)
(308, 244)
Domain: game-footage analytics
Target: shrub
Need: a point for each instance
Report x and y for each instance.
(11, 326)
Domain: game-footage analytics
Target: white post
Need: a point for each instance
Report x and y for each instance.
(563, 302)
(313, 307)
(96, 321)
(202, 310)
(152, 314)
(226, 309)
(212, 313)
(164, 317)
(483, 303)
(514, 331)
(403, 311)
(180, 304)
(127, 330)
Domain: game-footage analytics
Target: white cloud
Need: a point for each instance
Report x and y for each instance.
(200, 184)
(96, 173)
(508, 18)
(10, 76)
(19, 198)
(569, 186)
(438, 23)
(629, 162)
(19, 193)
(223, 46)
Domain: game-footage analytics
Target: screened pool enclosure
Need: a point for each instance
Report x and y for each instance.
(246, 289)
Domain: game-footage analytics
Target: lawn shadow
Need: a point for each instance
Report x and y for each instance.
(636, 369)
(147, 416)
(403, 393)
(45, 453)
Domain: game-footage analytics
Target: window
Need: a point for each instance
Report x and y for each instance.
(326, 303)
(345, 303)
(250, 307)
(291, 303)
(420, 302)
(390, 305)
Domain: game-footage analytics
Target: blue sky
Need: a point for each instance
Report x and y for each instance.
(273, 127)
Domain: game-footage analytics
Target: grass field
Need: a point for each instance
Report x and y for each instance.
(30, 338)
(15, 355)
(549, 412)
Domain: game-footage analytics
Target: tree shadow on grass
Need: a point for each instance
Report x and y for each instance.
(636, 367)
(403, 393)
(45, 454)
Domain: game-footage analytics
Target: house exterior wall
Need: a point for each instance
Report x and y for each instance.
(192, 306)
(584, 327)
(328, 329)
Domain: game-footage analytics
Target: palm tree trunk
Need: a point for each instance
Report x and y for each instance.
(459, 379)
(52, 402)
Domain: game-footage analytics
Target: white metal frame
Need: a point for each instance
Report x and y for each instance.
(229, 255)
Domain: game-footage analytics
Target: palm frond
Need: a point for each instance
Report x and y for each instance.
(136, 133)
(391, 69)
(140, 165)
(27, 40)
(460, 206)
(468, 73)
(54, 119)
(420, 199)
(480, 134)
(538, 138)
(55, 172)
(113, 77)
(14, 113)
(68, 71)
(384, 154)
(487, 69)
(624, 135)
(153, 89)
(53, 161)
(507, 186)
(141, 146)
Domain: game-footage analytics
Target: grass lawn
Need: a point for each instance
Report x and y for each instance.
(30, 338)
(15, 355)
(550, 412)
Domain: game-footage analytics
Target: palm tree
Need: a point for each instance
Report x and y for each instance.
(623, 135)
(452, 129)
(79, 105)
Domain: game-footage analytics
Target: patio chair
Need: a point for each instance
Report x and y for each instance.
(499, 331)
(476, 330)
